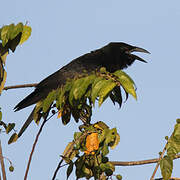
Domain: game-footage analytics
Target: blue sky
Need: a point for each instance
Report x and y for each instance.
(63, 30)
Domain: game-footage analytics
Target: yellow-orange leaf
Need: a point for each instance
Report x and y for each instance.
(92, 143)
(59, 114)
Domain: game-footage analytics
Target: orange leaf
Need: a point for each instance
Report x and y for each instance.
(59, 114)
(92, 143)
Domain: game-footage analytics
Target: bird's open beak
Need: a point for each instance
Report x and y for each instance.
(137, 49)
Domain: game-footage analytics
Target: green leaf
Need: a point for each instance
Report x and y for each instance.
(13, 138)
(173, 148)
(126, 82)
(69, 152)
(63, 90)
(36, 114)
(80, 87)
(10, 126)
(26, 33)
(108, 168)
(5, 35)
(15, 30)
(49, 100)
(105, 150)
(77, 135)
(105, 89)
(73, 94)
(96, 87)
(116, 142)
(166, 165)
(101, 125)
(69, 169)
(79, 163)
(111, 136)
(176, 133)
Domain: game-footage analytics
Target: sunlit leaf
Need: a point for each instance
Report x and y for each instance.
(92, 143)
(49, 100)
(68, 151)
(105, 89)
(105, 150)
(73, 94)
(96, 87)
(111, 136)
(116, 142)
(5, 35)
(81, 86)
(15, 30)
(176, 133)
(36, 114)
(26, 33)
(126, 82)
(166, 165)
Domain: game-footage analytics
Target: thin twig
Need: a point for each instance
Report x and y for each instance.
(20, 86)
(32, 151)
(172, 178)
(57, 169)
(158, 163)
(34, 145)
(142, 162)
(2, 163)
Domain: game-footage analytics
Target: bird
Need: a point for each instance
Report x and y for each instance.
(113, 56)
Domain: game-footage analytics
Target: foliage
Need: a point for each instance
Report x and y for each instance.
(173, 148)
(90, 147)
(10, 36)
(77, 97)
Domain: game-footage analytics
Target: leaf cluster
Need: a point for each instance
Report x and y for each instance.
(95, 162)
(173, 148)
(77, 97)
(10, 37)
(8, 128)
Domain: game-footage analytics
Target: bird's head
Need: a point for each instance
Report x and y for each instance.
(121, 54)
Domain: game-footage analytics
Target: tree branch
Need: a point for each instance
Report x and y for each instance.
(20, 86)
(135, 163)
(2, 163)
(172, 178)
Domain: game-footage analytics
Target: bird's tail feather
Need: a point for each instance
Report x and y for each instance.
(33, 98)
(26, 124)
